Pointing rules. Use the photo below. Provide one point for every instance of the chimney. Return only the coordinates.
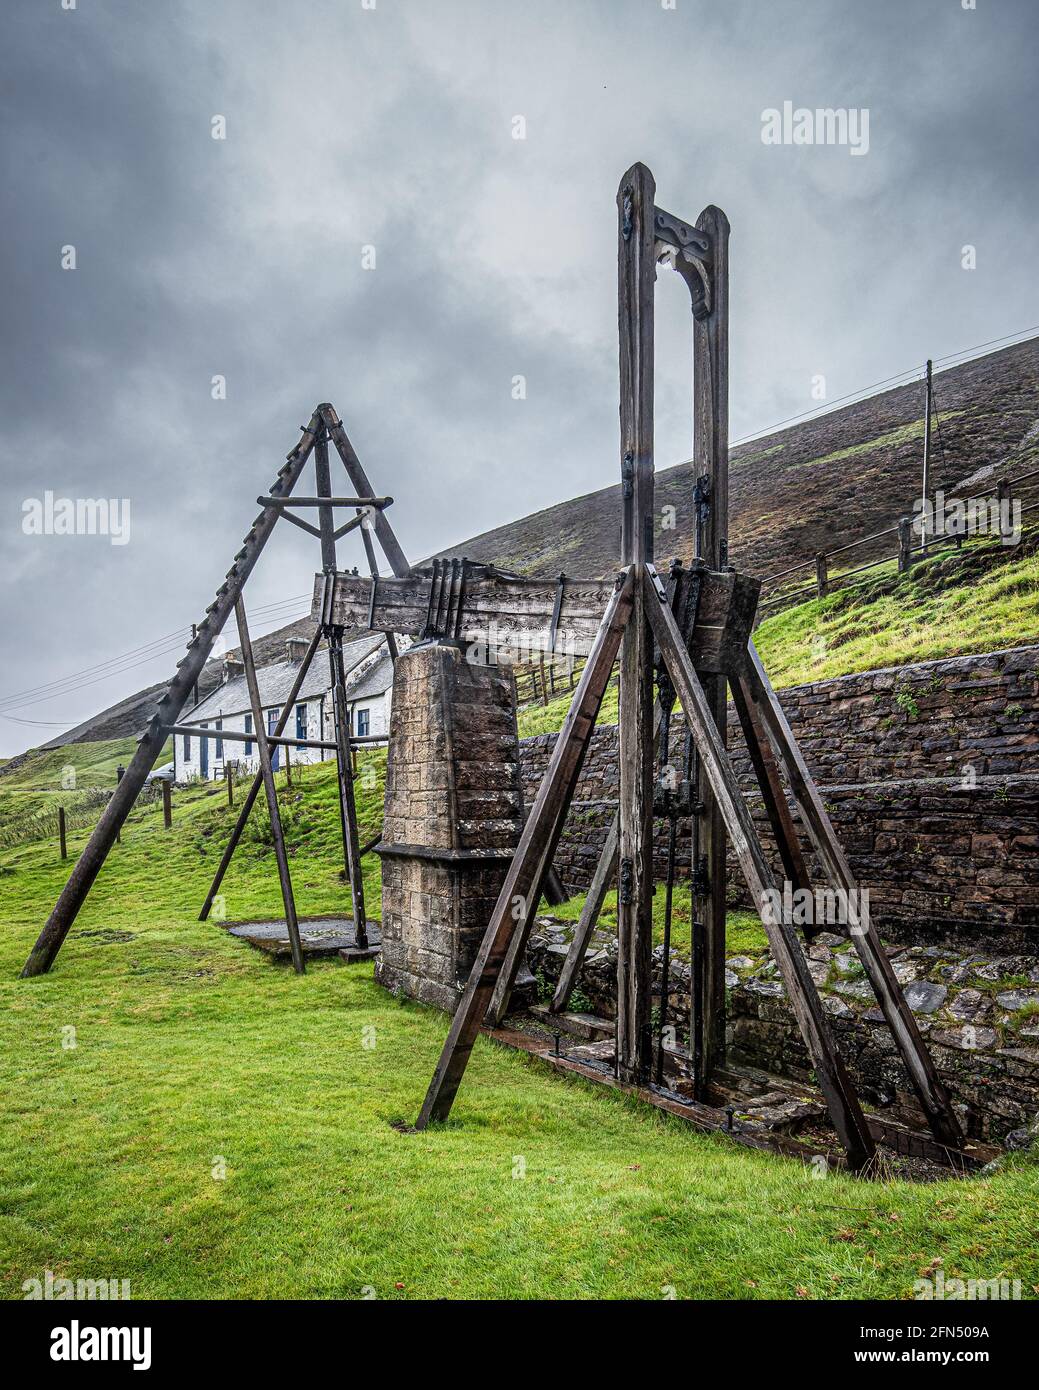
(296, 648)
(233, 668)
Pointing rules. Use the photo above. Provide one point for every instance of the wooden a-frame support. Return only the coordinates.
(324, 425)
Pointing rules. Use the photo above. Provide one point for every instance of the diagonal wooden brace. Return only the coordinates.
(934, 1098)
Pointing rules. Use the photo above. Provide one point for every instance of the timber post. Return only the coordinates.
(62, 845)
(636, 278)
(711, 454)
(167, 805)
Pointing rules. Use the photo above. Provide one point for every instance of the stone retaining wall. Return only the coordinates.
(930, 773)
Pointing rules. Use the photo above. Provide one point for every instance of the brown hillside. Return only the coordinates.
(811, 486)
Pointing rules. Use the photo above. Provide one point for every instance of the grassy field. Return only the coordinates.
(32, 791)
(183, 1113)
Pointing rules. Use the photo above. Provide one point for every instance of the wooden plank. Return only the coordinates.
(711, 455)
(636, 274)
(834, 1081)
(383, 530)
(932, 1093)
(88, 865)
(267, 772)
(605, 874)
(555, 792)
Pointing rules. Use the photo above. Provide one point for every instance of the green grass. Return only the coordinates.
(903, 434)
(744, 933)
(196, 1054)
(53, 777)
(947, 606)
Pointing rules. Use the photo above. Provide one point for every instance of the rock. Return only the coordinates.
(741, 963)
(906, 971)
(924, 997)
(970, 1006)
(847, 964)
(770, 988)
(854, 989)
(835, 1007)
(1014, 999)
(968, 1038)
(731, 979)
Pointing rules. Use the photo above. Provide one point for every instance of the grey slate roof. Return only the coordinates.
(275, 682)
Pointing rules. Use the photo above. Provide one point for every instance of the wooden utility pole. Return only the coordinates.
(925, 498)
(636, 278)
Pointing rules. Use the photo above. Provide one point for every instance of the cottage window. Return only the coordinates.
(301, 721)
(220, 741)
(187, 747)
(362, 722)
(248, 746)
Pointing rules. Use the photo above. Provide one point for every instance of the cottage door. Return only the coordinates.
(272, 725)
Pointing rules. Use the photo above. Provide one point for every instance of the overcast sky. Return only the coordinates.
(391, 125)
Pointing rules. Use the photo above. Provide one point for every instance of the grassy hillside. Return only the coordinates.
(179, 1111)
(33, 786)
(814, 485)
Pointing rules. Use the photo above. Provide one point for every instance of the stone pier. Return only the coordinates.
(453, 816)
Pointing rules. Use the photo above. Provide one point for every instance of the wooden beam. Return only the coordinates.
(504, 611)
(345, 777)
(833, 1078)
(267, 772)
(383, 530)
(711, 455)
(636, 274)
(88, 865)
(553, 797)
(763, 761)
(605, 874)
(932, 1093)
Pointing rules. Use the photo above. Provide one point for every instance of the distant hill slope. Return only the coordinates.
(803, 489)
(800, 490)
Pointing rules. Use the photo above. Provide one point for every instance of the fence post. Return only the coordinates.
(820, 573)
(120, 772)
(288, 766)
(544, 683)
(167, 805)
(229, 774)
(61, 832)
(905, 545)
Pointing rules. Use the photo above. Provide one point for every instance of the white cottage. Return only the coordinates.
(369, 687)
